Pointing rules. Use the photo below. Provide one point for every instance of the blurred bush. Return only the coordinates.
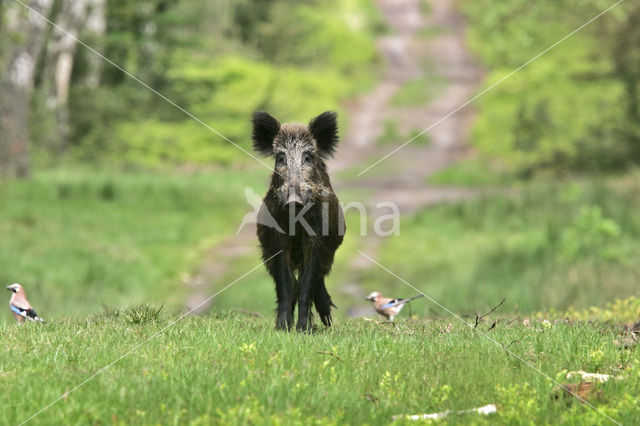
(592, 235)
(573, 109)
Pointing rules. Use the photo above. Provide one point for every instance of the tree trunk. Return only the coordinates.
(61, 50)
(95, 28)
(24, 36)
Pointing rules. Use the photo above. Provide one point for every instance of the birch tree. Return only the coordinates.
(23, 34)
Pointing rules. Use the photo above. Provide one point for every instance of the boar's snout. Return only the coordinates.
(293, 198)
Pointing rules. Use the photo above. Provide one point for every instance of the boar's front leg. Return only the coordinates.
(285, 292)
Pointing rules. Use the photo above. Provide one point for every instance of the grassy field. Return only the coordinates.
(92, 245)
(235, 369)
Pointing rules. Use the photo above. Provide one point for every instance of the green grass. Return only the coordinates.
(234, 369)
(80, 239)
(473, 171)
(553, 249)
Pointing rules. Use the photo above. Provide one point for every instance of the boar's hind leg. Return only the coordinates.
(306, 281)
(322, 301)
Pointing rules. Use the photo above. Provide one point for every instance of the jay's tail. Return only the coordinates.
(401, 301)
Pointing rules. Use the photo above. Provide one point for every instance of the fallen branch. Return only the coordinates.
(593, 376)
(487, 409)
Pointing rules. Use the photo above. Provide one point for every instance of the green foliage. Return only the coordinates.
(133, 39)
(335, 33)
(569, 109)
(223, 94)
(219, 62)
(473, 171)
(592, 235)
(620, 310)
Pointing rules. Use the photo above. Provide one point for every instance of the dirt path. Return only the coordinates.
(409, 55)
(215, 266)
(415, 47)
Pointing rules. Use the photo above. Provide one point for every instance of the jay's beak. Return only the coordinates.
(9, 288)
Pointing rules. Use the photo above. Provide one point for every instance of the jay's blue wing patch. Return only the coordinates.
(26, 313)
(392, 303)
(16, 310)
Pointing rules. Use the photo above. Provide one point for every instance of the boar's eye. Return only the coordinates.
(280, 160)
(306, 159)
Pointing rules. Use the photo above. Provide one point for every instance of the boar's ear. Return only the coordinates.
(324, 129)
(265, 130)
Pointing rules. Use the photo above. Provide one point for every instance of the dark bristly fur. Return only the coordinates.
(265, 130)
(325, 132)
(306, 258)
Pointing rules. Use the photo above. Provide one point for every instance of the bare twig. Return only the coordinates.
(480, 318)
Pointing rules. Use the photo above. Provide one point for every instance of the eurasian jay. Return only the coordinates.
(388, 307)
(20, 306)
